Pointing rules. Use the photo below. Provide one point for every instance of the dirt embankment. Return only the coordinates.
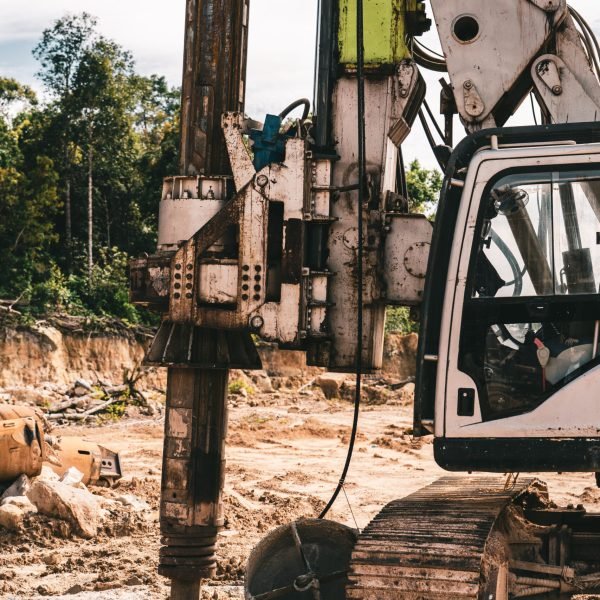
(31, 356)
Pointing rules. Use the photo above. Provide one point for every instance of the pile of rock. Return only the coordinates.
(65, 498)
(373, 391)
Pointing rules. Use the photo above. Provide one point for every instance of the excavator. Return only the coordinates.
(297, 230)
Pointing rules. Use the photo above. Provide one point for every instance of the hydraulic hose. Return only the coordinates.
(288, 109)
(362, 171)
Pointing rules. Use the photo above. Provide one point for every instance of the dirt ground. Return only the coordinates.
(285, 454)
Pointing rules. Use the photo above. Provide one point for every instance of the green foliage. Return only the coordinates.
(107, 293)
(11, 91)
(398, 319)
(237, 385)
(424, 187)
(100, 109)
(52, 294)
(115, 411)
(61, 50)
(26, 231)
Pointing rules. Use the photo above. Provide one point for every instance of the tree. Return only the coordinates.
(26, 228)
(60, 53)
(424, 187)
(61, 50)
(102, 142)
(11, 92)
(103, 99)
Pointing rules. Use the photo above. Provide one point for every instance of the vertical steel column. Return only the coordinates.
(191, 510)
(214, 78)
(325, 70)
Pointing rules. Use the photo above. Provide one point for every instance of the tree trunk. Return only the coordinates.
(108, 224)
(68, 222)
(90, 212)
(68, 226)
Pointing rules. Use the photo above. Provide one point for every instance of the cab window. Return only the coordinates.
(532, 311)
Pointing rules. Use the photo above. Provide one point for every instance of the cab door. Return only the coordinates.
(521, 318)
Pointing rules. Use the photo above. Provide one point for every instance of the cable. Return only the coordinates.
(589, 41)
(437, 127)
(362, 175)
(430, 139)
(533, 108)
(425, 59)
(288, 109)
(401, 183)
(433, 52)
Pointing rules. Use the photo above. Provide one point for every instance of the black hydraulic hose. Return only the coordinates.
(401, 184)
(435, 123)
(590, 40)
(362, 171)
(533, 108)
(429, 136)
(288, 109)
(426, 59)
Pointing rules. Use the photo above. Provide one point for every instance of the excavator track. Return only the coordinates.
(439, 543)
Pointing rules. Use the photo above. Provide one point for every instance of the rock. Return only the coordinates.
(11, 517)
(331, 384)
(262, 382)
(82, 387)
(370, 394)
(47, 474)
(133, 581)
(44, 590)
(21, 502)
(133, 502)
(30, 396)
(406, 395)
(285, 363)
(77, 506)
(400, 355)
(76, 589)
(103, 586)
(19, 488)
(72, 476)
(52, 559)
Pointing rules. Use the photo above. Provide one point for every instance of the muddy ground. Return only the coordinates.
(286, 451)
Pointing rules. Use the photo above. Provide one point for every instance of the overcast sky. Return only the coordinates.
(281, 56)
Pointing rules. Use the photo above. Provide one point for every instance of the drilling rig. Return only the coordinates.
(298, 231)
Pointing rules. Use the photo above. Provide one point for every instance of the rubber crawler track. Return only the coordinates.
(431, 544)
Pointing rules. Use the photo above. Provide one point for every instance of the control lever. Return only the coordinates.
(543, 356)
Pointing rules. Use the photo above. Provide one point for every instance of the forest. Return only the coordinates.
(81, 169)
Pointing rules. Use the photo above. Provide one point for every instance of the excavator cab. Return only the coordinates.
(510, 339)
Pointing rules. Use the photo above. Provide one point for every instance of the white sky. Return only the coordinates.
(281, 56)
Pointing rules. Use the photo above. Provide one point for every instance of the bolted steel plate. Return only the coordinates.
(415, 259)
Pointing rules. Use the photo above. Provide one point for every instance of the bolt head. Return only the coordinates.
(557, 90)
(468, 84)
(256, 322)
(262, 181)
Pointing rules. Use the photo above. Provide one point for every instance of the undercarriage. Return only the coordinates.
(477, 538)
